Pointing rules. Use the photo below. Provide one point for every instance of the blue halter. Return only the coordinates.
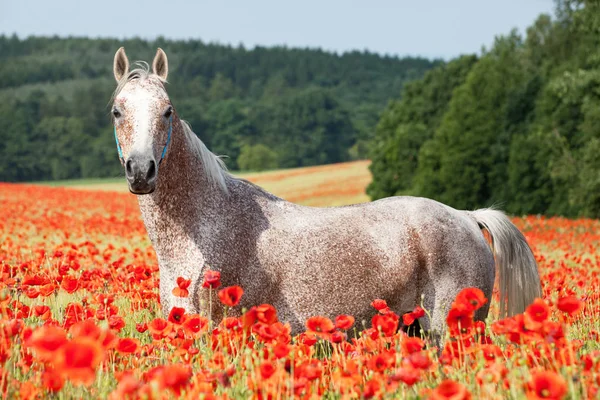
(162, 156)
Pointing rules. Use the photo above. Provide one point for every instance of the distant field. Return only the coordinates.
(324, 185)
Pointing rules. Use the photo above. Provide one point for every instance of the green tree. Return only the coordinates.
(257, 157)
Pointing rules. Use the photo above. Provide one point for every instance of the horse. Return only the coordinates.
(305, 261)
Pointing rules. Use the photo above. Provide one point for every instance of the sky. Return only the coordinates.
(429, 28)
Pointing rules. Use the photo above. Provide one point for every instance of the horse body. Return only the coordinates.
(305, 261)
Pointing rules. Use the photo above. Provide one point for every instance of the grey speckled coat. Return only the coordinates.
(305, 261)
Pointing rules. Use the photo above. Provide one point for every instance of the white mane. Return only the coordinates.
(213, 165)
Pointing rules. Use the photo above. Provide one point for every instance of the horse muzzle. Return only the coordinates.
(141, 173)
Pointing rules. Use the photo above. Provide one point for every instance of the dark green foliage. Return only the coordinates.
(308, 106)
(520, 128)
(257, 158)
(407, 124)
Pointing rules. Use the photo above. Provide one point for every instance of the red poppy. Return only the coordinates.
(450, 389)
(412, 345)
(408, 375)
(382, 361)
(570, 305)
(266, 314)
(47, 290)
(535, 314)
(79, 358)
(194, 323)
(320, 324)
(281, 350)
(459, 320)
(141, 327)
(212, 279)
(344, 322)
(266, 370)
(409, 318)
(47, 340)
(182, 287)
(43, 312)
(546, 385)
(231, 295)
(470, 298)
(52, 380)
(160, 328)
(386, 324)
(128, 345)
(380, 305)
(70, 284)
(176, 315)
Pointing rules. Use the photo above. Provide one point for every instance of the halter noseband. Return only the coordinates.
(162, 156)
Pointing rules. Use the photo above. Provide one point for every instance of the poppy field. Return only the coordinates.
(81, 318)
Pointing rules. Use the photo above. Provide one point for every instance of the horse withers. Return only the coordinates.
(305, 261)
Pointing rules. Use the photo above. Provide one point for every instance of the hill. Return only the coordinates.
(291, 107)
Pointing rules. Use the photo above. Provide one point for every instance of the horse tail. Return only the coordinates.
(519, 278)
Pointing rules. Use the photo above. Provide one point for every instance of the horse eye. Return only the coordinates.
(116, 113)
(168, 112)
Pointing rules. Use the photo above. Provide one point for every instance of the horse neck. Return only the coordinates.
(183, 191)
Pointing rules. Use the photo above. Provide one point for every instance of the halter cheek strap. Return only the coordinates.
(164, 152)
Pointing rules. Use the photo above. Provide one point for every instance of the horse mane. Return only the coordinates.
(213, 165)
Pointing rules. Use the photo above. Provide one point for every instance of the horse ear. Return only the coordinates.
(160, 65)
(120, 64)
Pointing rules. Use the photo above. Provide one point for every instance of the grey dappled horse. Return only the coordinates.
(305, 261)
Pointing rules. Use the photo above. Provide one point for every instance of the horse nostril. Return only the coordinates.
(129, 167)
(151, 171)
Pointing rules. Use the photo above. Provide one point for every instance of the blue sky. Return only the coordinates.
(430, 28)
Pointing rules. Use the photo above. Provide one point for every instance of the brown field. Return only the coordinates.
(320, 186)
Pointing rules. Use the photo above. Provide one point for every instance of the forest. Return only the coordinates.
(263, 108)
(517, 126)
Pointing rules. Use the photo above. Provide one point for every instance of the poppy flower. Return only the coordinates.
(409, 318)
(320, 324)
(42, 311)
(386, 324)
(160, 328)
(182, 287)
(450, 389)
(231, 295)
(47, 290)
(344, 322)
(79, 358)
(266, 370)
(47, 340)
(380, 305)
(408, 375)
(412, 344)
(471, 299)
(70, 284)
(176, 315)
(266, 314)
(212, 279)
(459, 320)
(570, 305)
(128, 345)
(546, 385)
(52, 380)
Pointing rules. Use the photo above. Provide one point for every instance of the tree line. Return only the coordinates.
(517, 126)
(262, 107)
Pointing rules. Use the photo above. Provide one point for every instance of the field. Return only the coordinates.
(321, 186)
(80, 315)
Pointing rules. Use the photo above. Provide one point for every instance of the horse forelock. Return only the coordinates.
(141, 72)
